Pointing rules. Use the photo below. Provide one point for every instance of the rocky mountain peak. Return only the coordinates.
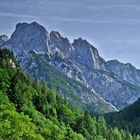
(126, 71)
(87, 54)
(3, 39)
(29, 37)
(32, 24)
(81, 40)
(129, 65)
(115, 64)
(62, 43)
(55, 35)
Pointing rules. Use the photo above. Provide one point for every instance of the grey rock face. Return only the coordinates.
(36, 49)
(113, 89)
(63, 44)
(3, 39)
(29, 37)
(126, 71)
(87, 55)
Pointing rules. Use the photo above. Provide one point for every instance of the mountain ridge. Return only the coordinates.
(127, 71)
(79, 61)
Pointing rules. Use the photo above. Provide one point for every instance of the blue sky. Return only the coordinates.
(113, 26)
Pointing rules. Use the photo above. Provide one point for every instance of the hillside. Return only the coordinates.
(128, 118)
(29, 110)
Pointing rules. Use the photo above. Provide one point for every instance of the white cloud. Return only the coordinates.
(114, 6)
(101, 21)
(5, 14)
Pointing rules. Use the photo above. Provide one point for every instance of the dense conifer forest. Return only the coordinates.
(128, 118)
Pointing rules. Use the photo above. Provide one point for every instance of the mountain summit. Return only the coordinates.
(87, 55)
(29, 37)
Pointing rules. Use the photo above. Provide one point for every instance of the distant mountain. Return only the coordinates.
(64, 65)
(126, 71)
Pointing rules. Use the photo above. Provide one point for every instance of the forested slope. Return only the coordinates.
(128, 118)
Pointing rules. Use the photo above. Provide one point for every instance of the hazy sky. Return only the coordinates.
(113, 26)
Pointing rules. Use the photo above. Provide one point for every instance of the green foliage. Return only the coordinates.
(128, 118)
(31, 111)
(14, 125)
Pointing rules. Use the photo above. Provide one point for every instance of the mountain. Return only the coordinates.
(50, 56)
(38, 57)
(31, 111)
(126, 71)
(3, 39)
(128, 118)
